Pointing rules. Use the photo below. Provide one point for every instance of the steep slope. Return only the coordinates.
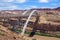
(6, 34)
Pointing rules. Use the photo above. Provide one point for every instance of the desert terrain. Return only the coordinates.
(12, 22)
(6, 34)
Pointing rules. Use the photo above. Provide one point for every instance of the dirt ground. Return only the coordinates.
(9, 35)
(41, 38)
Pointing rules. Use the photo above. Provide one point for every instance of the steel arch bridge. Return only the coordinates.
(29, 16)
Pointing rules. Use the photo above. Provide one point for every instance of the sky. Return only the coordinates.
(28, 4)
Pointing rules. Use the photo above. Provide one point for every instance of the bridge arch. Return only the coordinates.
(36, 21)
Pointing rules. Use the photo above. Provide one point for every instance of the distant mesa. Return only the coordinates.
(58, 8)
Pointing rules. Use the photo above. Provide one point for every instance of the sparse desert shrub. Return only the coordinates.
(2, 32)
(33, 39)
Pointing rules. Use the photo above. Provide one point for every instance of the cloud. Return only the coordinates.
(43, 1)
(17, 1)
(34, 6)
(8, 6)
(30, 6)
(11, 6)
(19, 4)
(21, 1)
(6, 0)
